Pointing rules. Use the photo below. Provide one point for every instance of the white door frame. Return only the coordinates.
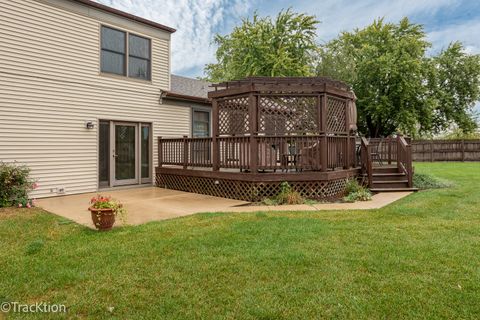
(113, 181)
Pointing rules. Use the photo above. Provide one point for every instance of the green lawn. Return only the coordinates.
(417, 258)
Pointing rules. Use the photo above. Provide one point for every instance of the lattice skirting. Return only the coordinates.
(249, 190)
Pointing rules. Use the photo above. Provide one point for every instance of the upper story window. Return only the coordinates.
(125, 54)
(113, 51)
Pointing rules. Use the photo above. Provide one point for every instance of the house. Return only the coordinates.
(85, 92)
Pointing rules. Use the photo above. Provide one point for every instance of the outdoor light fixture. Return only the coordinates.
(89, 125)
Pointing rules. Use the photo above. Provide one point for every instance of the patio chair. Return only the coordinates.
(267, 156)
(376, 156)
(310, 157)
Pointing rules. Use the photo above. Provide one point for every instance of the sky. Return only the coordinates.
(197, 21)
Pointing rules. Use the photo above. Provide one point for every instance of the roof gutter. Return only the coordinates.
(183, 97)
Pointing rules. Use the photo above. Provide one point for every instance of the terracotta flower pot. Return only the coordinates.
(103, 219)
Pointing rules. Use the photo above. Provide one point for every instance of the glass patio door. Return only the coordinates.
(125, 154)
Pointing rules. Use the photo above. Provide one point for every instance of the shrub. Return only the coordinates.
(424, 181)
(15, 183)
(362, 195)
(288, 196)
(352, 186)
(356, 192)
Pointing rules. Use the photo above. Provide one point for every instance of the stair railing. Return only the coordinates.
(367, 164)
(404, 159)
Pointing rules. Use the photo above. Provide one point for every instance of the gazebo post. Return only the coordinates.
(323, 129)
(347, 143)
(253, 129)
(215, 151)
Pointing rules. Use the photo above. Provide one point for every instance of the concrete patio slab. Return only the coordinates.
(153, 204)
(142, 204)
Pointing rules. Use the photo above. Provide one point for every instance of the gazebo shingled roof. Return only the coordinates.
(281, 84)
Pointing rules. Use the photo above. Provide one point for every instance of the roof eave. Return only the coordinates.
(126, 15)
(183, 97)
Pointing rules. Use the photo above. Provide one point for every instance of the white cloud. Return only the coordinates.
(346, 15)
(467, 32)
(196, 23)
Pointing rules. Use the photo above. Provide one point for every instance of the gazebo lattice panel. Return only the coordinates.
(233, 117)
(287, 114)
(336, 115)
(250, 190)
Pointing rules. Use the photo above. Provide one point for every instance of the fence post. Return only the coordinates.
(463, 150)
(185, 152)
(431, 150)
(160, 151)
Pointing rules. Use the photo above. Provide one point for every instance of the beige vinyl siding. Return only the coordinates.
(50, 85)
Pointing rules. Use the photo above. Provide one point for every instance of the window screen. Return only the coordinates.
(201, 124)
(113, 51)
(138, 57)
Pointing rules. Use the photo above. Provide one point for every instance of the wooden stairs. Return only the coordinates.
(387, 164)
(389, 179)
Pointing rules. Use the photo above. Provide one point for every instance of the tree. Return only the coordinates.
(398, 87)
(455, 83)
(263, 47)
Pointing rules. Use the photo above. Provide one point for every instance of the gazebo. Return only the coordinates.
(266, 131)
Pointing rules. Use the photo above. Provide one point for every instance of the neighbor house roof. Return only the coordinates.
(188, 89)
(189, 86)
(125, 15)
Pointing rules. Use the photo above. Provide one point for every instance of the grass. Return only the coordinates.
(417, 258)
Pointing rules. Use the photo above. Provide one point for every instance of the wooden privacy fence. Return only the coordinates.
(446, 150)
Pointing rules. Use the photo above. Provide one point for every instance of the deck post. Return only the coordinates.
(253, 129)
(160, 152)
(323, 138)
(389, 149)
(185, 152)
(215, 149)
(409, 165)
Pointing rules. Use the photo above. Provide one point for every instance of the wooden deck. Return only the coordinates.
(269, 130)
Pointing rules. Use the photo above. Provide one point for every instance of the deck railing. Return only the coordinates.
(366, 160)
(382, 151)
(404, 159)
(185, 152)
(234, 152)
(265, 152)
